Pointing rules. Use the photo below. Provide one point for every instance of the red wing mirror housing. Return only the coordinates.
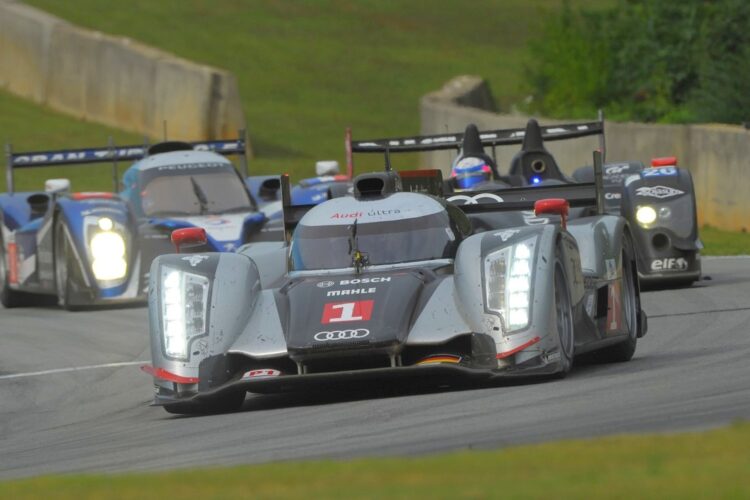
(189, 237)
(557, 206)
(666, 161)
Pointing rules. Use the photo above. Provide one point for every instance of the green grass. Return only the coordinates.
(307, 69)
(712, 464)
(718, 242)
(30, 127)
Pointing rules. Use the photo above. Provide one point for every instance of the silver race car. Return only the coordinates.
(397, 281)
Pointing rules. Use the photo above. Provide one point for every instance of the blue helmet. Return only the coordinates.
(470, 171)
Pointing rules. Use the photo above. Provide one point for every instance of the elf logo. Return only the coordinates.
(669, 264)
(343, 312)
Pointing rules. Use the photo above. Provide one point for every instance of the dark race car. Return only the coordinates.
(659, 202)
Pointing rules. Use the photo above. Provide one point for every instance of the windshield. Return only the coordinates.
(406, 240)
(195, 192)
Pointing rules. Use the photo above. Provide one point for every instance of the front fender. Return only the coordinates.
(234, 289)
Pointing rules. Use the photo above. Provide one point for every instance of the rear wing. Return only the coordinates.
(500, 137)
(110, 154)
(510, 199)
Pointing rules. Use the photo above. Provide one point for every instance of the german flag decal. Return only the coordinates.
(440, 358)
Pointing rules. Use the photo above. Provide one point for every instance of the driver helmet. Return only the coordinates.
(470, 171)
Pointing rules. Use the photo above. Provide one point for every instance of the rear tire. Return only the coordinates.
(222, 404)
(564, 320)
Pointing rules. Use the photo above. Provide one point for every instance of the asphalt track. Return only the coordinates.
(73, 399)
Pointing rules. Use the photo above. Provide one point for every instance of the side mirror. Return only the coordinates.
(557, 206)
(326, 167)
(189, 237)
(57, 186)
(269, 189)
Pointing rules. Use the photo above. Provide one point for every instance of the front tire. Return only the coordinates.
(564, 320)
(63, 255)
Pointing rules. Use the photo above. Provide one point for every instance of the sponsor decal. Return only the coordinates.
(360, 214)
(261, 373)
(658, 191)
(669, 264)
(658, 172)
(507, 234)
(354, 291)
(616, 169)
(191, 166)
(611, 269)
(194, 260)
(473, 200)
(344, 312)
(590, 305)
(325, 284)
(350, 215)
(215, 221)
(614, 307)
(612, 196)
(230, 247)
(440, 358)
(359, 333)
(78, 155)
(530, 218)
(12, 263)
(364, 281)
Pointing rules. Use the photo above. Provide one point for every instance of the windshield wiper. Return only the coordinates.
(200, 195)
(359, 259)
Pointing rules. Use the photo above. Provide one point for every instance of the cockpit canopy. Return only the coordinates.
(401, 227)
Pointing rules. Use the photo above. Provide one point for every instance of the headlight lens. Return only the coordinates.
(645, 215)
(184, 300)
(508, 275)
(108, 254)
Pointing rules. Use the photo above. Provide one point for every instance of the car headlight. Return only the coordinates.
(184, 303)
(645, 215)
(107, 249)
(508, 274)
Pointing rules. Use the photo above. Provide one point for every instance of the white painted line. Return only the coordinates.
(717, 257)
(72, 369)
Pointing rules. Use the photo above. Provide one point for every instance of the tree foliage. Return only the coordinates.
(646, 60)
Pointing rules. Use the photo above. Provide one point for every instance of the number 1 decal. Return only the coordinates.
(342, 312)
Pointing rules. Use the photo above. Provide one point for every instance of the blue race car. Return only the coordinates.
(328, 183)
(92, 248)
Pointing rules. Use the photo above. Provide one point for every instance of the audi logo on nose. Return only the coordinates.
(359, 333)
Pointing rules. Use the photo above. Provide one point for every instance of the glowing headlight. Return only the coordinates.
(184, 302)
(105, 224)
(645, 215)
(108, 254)
(508, 283)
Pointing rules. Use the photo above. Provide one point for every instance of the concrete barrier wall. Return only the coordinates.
(113, 80)
(718, 156)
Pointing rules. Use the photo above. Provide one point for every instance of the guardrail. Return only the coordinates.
(113, 80)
